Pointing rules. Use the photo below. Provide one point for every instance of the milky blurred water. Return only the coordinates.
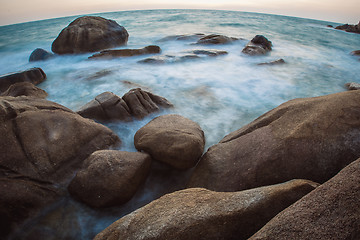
(222, 94)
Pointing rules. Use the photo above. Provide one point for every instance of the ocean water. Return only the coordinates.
(222, 94)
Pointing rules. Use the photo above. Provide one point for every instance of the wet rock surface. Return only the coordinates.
(40, 54)
(331, 211)
(182, 37)
(276, 62)
(349, 28)
(352, 86)
(202, 214)
(32, 75)
(259, 45)
(172, 139)
(89, 34)
(310, 138)
(24, 89)
(110, 178)
(216, 39)
(108, 54)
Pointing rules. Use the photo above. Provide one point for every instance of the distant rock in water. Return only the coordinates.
(136, 103)
(89, 34)
(40, 54)
(152, 49)
(352, 86)
(355, 53)
(210, 52)
(183, 37)
(32, 75)
(216, 39)
(24, 89)
(276, 62)
(330, 26)
(349, 28)
(259, 45)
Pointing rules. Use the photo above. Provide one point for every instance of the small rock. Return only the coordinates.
(216, 39)
(24, 89)
(349, 28)
(183, 37)
(32, 75)
(172, 139)
(276, 62)
(259, 45)
(352, 86)
(355, 53)
(210, 52)
(40, 54)
(108, 54)
(110, 178)
(330, 26)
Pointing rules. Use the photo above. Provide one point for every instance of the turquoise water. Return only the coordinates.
(221, 94)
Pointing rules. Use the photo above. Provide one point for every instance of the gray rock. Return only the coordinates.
(40, 54)
(24, 89)
(259, 45)
(32, 75)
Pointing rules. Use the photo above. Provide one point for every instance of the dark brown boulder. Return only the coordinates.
(202, 214)
(110, 178)
(24, 89)
(172, 139)
(40, 54)
(310, 138)
(331, 211)
(355, 53)
(42, 145)
(350, 28)
(108, 54)
(216, 39)
(259, 45)
(89, 34)
(32, 75)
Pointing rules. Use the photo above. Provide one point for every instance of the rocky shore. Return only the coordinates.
(292, 173)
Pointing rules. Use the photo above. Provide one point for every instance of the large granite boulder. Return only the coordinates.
(259, 45)
(136, 103)
(89, 34)
(24, 89)
(108, 54)
(32, 75)
(40, 54)
(310, 138)
(110, 178)
(331, 211)
(350, 28)
(172, 139)
(42, 145)
(216, 39)
(202, 214)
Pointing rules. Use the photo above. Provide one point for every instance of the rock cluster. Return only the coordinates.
(350, 28)
(259, 45)
(135, 103)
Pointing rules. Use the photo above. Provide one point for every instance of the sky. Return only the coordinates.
(341, 11)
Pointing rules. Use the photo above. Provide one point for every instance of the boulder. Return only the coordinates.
(309, 138)
(110, 178)
(108, 54)
(216, 39)
(32, 75)
(24, 89)
(40, 54)
(89, 34)
(331, 211)
(202, 214)
(350, 28)
(136, 103)
(276, 62)
(352, 86)
(42, 145)
(259, 45)
(172, 139)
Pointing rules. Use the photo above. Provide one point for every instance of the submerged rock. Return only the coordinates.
(310, 138)
(259, 45)
(32, 75)
(110, 178)
(42, 145)
(352, 86)
(40, 54)
(202, 214)
(209, 52)
(152, 49)
(331, 211)
(350, 28)
(172, 139)
(136, 103)
(355, 53)
(89, 34)
(182, 37)
(24, 89)
(276, 62)
(216, 39)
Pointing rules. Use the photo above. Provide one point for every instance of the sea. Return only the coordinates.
(221, 94)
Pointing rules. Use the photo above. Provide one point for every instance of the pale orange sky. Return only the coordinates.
(15, 11)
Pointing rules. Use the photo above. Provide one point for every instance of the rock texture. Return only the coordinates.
(331, 211)
(40, 54)
(172, 139)
(310, 138)
(110, 178)
(350, 28)
(259, 45)
(24, 89)
(89, 34)
(32, 75)
(182, 37)
(202, 214)
(216, 39)
(108, 54)
(135, 103)
(352, 86)
(41, 147)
